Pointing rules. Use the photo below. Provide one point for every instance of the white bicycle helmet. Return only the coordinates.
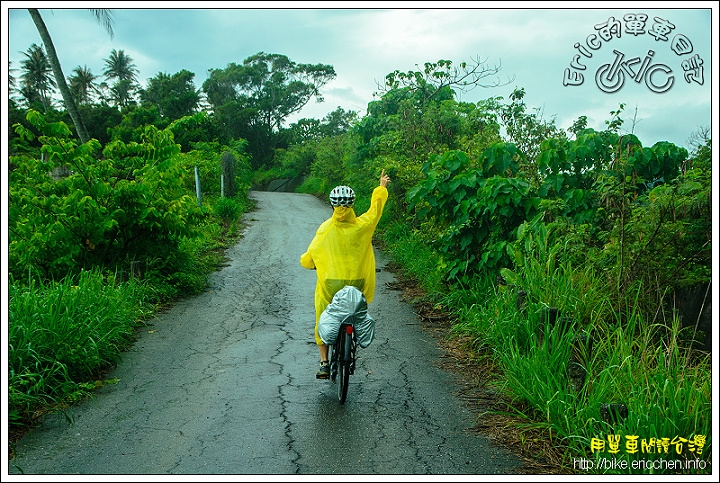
(342, 196)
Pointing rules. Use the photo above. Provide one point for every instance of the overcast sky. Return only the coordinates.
(534, 47)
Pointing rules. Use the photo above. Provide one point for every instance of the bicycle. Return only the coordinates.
(342, 358)
(345, 324)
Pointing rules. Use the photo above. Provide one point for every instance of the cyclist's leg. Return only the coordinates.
(323, 352)
(324, 371)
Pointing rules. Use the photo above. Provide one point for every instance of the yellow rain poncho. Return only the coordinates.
(342, 253)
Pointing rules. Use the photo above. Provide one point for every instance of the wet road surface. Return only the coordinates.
(224, 382)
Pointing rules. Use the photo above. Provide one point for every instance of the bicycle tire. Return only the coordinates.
(344, 359)
(332, 356)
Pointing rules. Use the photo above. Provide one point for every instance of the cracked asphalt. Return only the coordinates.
(224, 382)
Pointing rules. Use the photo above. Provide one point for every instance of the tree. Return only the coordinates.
(82, 85)
(264, 90)
(121, 93)
(100, 119)
(120, 67)
(12, 82)
(37, 81)
(528, 131)
(105, 17)
(338, 122)
(134, 120)
(281, 87)
(699, 138)
(436, 77)
(174, 95)
(333, 124)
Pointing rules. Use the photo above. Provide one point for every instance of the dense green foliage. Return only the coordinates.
(109, 210)
(98, 238)
(488, 202)
(560, 375)
(475, 211)
(174, 95)
(253, 100)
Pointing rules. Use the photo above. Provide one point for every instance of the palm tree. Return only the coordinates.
(82, 84)
(12, 82)
(121, 92)
(37, 82)
(104, 16)
(120, 67)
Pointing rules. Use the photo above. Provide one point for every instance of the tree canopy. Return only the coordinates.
(174, 95)
(265, 90)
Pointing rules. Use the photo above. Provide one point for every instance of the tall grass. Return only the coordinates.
(625, 358)
(60, 334)
(415, 255)
(666, 394)
(560, 376)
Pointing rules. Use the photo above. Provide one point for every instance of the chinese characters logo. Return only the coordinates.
(612, 76)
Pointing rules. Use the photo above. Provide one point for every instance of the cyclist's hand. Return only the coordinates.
(384, 179)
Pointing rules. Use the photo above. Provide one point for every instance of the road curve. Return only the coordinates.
(224, 382)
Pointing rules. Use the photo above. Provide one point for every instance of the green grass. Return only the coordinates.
(63, 335)
(666, 393)
(414, 254)
(644, 364)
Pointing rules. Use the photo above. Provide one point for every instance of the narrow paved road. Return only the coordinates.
(224, 382)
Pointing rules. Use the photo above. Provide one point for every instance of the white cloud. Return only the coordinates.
(364, 44)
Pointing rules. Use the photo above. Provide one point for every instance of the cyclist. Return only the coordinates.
(342, 253)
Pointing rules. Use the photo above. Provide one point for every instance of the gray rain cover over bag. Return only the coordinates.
(348, 305)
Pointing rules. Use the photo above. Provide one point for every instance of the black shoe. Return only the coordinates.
(324, 371)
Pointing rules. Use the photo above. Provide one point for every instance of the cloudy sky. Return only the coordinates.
(364, 41)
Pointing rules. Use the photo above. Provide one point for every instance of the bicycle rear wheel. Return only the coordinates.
(344, 360)
(332, 357)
